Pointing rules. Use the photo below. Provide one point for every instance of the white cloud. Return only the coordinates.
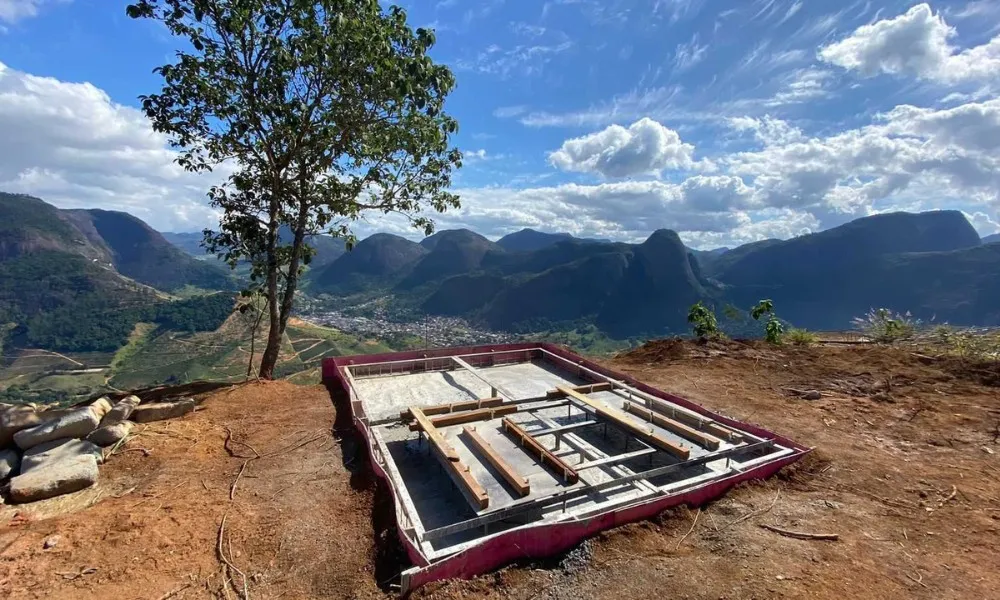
(768, 130)
(951, 153)
(645, 147)
(505, 112)
(521, 60)
(12, 11)
(69, 144)
(689, 54)
(916, 44)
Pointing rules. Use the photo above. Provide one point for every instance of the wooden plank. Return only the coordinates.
(621, 420)
(703, 423)
(516, 481)
(543, 454)
(459, 470)
(693, 435)
(435, 437)
(439, 409)
(590, 388)
(468, 416)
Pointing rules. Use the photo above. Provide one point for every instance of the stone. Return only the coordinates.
(812, 395)
(46, 454)
(101, 407)
(159, 411)
(55, 479)
(10, 462)
(120, 411)
(77, 424)
(52, 541)
(14, 419)
(108, 435)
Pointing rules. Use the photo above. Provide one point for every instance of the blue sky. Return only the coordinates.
(726, 121)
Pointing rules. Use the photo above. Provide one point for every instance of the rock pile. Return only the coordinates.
(46, 453)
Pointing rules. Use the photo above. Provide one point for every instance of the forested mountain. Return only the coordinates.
(80, 279)
(529, 240)
(932, 264)
(56, 265)
(992, 239)
(328, 249)
(376, 261)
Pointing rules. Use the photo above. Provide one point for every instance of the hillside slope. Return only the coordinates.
(376, 261)
(931, 264)
(141, 253)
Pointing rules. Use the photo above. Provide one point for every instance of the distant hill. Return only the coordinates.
(529, 240)
(452, 252)
(79, 280)
(992, 239)
(328, 249)
(141, 253)
(376, 261)
(896, 260)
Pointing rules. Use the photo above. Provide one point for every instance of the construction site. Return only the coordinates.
(518, 472)
(497, 453)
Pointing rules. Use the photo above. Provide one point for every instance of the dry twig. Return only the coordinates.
(801, 535)
(752, 513)
(232, 489)
(681, 541)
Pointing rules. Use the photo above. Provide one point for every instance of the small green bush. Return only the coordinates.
(800, 337)
(703, 321)
(773, 329)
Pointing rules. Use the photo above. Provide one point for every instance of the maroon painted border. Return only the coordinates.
(538, 541)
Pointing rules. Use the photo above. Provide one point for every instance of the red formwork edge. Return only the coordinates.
(541, 540)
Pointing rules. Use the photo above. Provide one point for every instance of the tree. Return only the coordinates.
(773, 329)
(703, 321)
(319, 110)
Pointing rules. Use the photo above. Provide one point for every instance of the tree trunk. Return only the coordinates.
(269, 359)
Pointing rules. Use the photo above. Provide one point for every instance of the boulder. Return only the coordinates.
(14, 419)
(56, 478)
(159, 411)
(10, 462)
(77, 424)
(120, 411)
(47, 454)
(107, 435)
(101, 407)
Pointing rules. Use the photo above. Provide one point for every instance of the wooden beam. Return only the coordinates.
(621, 420)
(693, 435)
(459, 471)
(435, 437)
(590, 388)
(468, 416)
(516, 481)
(494, 388)
(439, 409)
(543, 454)
(703, 423)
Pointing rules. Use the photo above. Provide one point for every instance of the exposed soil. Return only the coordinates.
(906, 472)
(297, 526)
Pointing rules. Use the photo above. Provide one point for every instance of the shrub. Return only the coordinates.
(703, 321)
(883, 326)
(800, 337)
(773, 329)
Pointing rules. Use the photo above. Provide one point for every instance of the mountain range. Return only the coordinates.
(931, 264)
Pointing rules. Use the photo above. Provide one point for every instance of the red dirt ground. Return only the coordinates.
(906, 472)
